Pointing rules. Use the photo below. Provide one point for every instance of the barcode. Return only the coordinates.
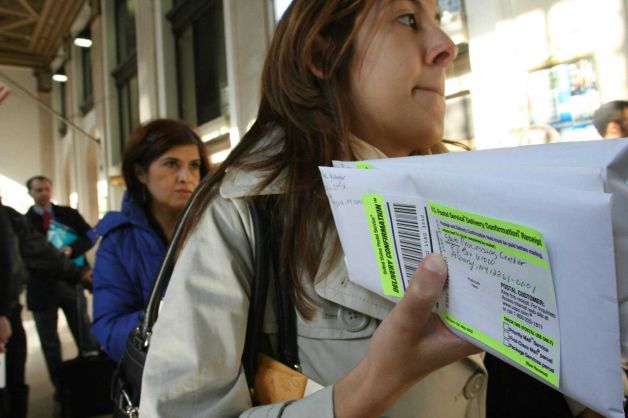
(409, 236)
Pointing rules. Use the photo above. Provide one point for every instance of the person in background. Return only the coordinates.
(162, 165)
(611, 119)
(539, 134)
(6, 314)
(24, 252)
(44, 296)
(343, 80)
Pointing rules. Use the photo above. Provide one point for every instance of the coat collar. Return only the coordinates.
(240, 183)
(40, 211)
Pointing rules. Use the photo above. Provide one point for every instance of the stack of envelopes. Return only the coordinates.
(536, 240)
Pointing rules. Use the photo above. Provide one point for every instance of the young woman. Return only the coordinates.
(162, 165)
(343, 79)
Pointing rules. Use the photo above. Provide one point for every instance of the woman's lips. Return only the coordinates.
(435, 90)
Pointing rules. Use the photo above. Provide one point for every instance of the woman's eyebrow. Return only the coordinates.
(438, 15)
(416, 2)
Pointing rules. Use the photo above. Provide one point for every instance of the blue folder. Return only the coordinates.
(61, 236)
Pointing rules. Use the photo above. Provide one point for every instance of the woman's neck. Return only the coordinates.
(166, 219)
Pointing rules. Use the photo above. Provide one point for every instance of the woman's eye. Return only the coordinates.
(409, 20)
(170, 164)
(196, 165)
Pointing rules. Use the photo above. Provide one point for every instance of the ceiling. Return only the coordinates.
(31, 31)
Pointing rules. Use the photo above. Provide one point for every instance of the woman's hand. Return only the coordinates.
(5, 332)
(588, 413)
(67, 251)
(408, 345)
(87, 279)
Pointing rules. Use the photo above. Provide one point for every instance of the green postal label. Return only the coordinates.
(539, 356)
(500, 270)
(383, 244)
(500, 290)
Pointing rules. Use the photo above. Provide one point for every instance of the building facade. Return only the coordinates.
(523, 66)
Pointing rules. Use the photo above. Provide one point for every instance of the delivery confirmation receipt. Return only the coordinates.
(500, 289)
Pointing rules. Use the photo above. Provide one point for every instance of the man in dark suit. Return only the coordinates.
(44, 296)
(23, 251)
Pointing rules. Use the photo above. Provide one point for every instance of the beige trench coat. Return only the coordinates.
(193, 366)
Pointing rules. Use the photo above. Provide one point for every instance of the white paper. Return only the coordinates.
(592, 165)
(3, 372)
(575, 223)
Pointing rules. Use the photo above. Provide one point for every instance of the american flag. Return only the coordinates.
(4, 92)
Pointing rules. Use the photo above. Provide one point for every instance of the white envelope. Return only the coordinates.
(575, 220)
(2, 371)
(580, 165)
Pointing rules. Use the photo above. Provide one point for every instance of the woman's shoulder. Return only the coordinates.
(242, 181)
(224, 209)
(129, 244)
(112, 221)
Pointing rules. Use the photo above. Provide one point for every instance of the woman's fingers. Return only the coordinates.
(426, 286)
(421, 340)
(5, 332)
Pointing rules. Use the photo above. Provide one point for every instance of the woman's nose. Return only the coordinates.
(442, 51)
(184, 174)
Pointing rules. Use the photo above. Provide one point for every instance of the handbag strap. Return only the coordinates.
(144, 330)
(266, 255)
(259, 295)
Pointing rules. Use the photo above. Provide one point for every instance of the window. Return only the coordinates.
(279, 7)
(85, 56)
(125, 74)
(459, 114)
(198, 27)
(62, 127)
(453, 19)
(564, 95)
(125, 29)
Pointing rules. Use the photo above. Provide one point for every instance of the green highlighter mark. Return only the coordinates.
(382, 238)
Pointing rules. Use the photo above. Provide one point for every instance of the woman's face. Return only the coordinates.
(172, 177)
(397, 77)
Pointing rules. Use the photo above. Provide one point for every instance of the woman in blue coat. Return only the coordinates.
(162, 165)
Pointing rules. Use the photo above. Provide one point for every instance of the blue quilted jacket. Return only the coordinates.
(126, 266)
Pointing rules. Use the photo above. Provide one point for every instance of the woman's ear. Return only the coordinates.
(140, 173)
(316, 61)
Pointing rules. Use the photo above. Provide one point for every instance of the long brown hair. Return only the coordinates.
(312, 114)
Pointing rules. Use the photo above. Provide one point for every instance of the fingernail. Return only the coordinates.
(435, 263)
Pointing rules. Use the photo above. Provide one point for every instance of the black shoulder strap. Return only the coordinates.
(266, 267)
(259, 294)
(163, 277)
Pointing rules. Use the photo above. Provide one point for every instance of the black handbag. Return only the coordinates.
(512, 393)
(77, 399)
(126, 384)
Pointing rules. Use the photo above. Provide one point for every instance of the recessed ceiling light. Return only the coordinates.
(83, 42)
